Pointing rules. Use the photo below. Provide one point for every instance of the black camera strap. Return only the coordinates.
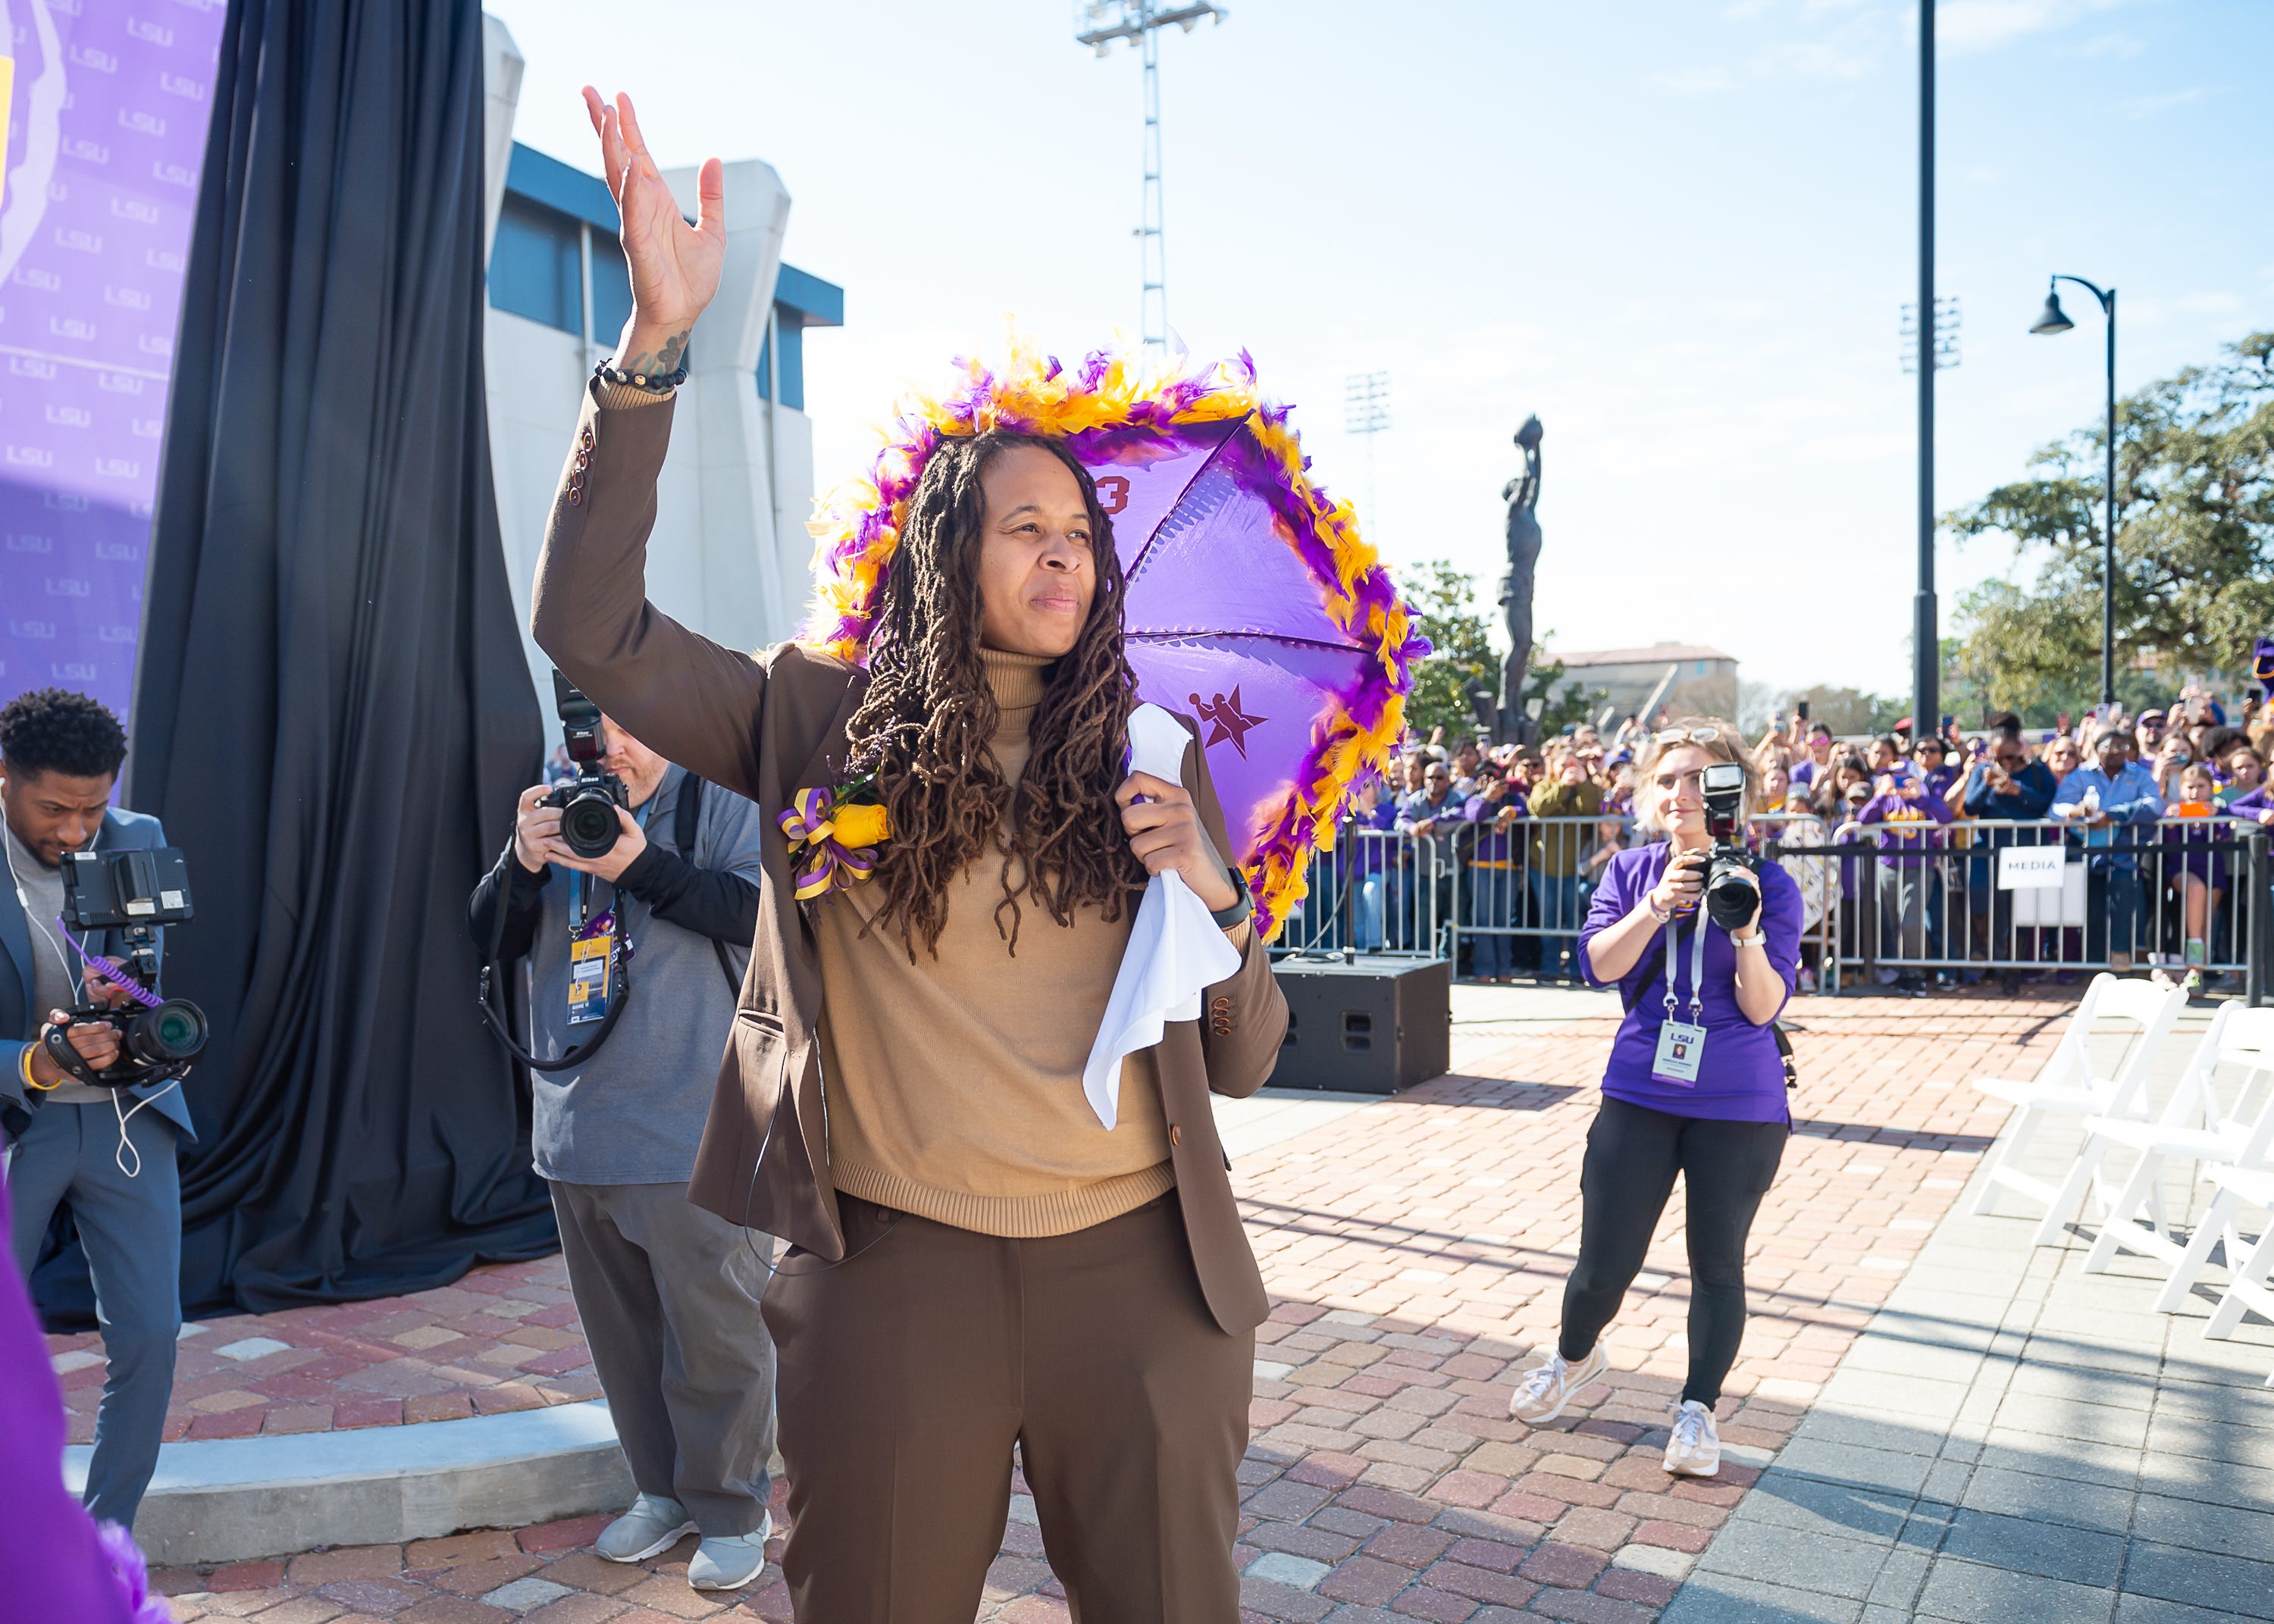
(1784, 1054)
(683, 818)
(582, 1052)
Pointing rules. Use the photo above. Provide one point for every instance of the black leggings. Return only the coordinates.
(1632, 1156)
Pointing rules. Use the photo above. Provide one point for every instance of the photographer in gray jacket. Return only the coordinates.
(637, 945)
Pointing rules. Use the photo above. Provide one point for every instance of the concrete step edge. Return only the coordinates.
(230, 1499)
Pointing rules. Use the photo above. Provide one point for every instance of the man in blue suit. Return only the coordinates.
(110, 1153)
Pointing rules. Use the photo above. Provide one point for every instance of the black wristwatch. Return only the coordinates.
(1242, 904)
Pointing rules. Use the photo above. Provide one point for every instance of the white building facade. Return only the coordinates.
(1682, 679)
(730, 556)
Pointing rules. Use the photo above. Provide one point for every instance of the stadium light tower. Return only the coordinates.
(1097, 24)
(1366, 411)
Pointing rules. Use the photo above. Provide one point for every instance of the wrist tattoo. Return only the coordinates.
(664, 360)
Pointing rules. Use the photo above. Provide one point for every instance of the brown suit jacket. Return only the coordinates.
(766, 726)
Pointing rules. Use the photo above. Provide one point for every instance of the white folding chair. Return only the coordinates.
(2196, 1126)
(2068, 1085)
(2085, 1176)
(2248, 1177)
(2251, 1281)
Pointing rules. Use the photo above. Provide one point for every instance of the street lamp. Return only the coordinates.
(2052, 320)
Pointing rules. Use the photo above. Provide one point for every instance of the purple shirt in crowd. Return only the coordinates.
(2193, 843)
(1496, 847)
(1741, 1078)
(1806, 771)
(1910, 822)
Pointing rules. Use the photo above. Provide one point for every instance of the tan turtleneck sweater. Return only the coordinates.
(953, 1084)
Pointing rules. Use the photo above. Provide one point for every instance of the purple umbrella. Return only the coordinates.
(1253, 604)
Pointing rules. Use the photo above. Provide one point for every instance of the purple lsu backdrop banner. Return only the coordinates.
(107, 128)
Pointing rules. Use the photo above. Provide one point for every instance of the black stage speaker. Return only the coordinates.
(1372, 1027)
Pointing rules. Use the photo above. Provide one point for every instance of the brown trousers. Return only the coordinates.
(908, 1371)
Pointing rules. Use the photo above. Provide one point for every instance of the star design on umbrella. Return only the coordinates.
(1227, 720)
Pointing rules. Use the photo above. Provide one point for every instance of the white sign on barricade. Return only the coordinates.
(2048, 904)
(2029, 868)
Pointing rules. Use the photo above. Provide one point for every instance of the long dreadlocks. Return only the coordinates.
(925, 724)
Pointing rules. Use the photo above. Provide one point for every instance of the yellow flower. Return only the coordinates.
(857, 826)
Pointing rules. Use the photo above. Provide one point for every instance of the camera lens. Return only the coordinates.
(173, 1032)
(587, 825)
(1729, 900)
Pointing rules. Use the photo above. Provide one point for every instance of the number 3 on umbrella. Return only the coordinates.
(1112, 493)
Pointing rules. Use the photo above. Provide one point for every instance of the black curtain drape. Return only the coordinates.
(332, 713)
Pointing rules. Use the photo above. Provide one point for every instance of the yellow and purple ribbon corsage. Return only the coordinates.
(840, 839)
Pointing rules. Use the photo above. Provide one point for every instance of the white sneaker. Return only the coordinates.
(653, 1524)
(1694, 1449)
(729, 1562)
(1542, 1395)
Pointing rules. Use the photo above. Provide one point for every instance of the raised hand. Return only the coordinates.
(674, 267)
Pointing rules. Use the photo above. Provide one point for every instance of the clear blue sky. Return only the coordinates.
(1679, 230)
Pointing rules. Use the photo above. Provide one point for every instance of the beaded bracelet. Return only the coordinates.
(654, 383)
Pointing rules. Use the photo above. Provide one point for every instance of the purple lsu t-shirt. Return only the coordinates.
(1741, 1078)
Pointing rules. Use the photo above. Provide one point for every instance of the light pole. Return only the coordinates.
(1366, 411)
(2050, 321)
(1097, 24)
(1926, 641)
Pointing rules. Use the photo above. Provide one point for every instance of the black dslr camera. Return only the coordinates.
(1732, 893)
(588, 802)
(133, 893)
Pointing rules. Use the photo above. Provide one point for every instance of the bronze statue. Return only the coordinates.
(1522, 495)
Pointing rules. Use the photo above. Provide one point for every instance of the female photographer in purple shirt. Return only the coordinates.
(1695, 1086)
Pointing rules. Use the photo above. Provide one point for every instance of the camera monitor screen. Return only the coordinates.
(104, 891)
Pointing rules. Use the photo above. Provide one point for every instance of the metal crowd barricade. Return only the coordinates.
(2013, 897)
(1975, 896)
(1797, 841)
(1376, 891)
(1523, 898)
(1522, 888)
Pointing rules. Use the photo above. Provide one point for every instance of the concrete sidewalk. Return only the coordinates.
(2014, 1439)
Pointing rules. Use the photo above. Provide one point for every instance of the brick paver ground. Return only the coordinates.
(1416, 1252)
(504, 1337)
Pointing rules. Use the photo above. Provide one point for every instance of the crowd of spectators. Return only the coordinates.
(1895, 844)
(2147, 804)
(1507, 837)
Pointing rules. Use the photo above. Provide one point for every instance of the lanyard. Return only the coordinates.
(1696, 967)
(577, 876)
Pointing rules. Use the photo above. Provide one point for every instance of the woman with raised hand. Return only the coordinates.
(977, 1264)
(1696, 1085)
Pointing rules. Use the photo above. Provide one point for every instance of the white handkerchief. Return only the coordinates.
(1175, 949)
